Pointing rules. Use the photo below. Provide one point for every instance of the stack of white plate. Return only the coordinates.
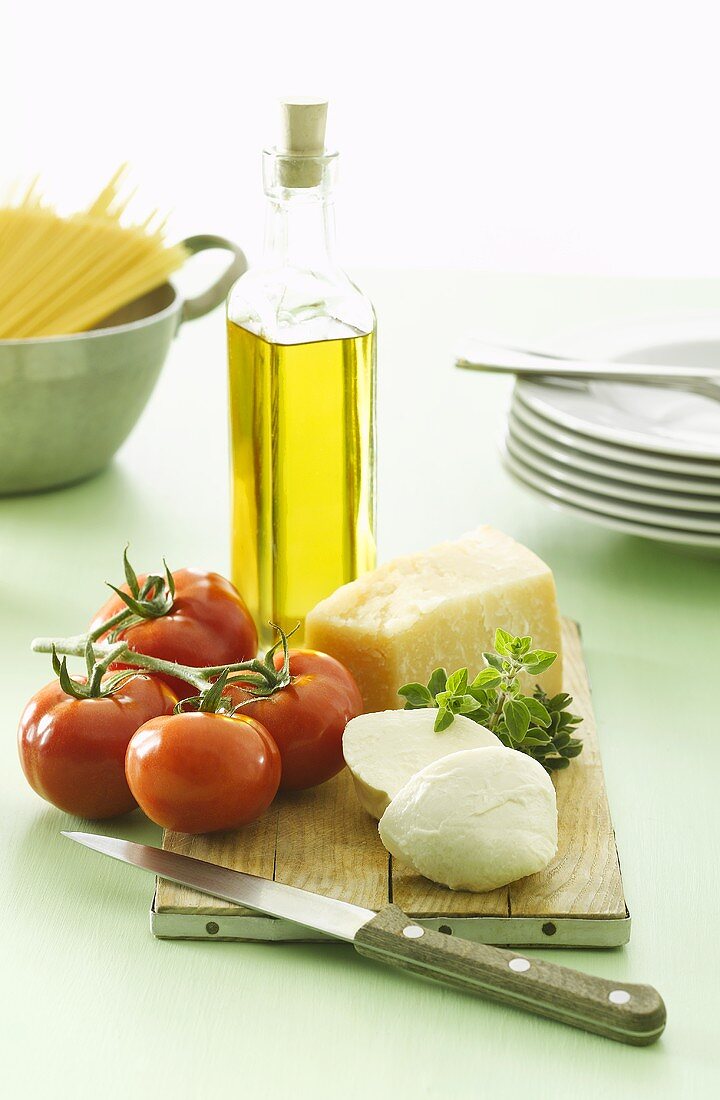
(638, 459)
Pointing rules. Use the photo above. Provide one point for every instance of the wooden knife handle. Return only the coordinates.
(627, 1013)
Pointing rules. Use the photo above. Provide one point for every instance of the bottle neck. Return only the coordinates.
(300, 230)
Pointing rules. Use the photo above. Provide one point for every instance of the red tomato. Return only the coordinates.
(199, 772)
(73, 750)
(208, 625)
(307, 718)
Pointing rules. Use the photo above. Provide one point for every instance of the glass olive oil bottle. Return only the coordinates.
(301, 343)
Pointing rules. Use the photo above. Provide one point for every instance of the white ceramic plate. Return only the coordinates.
(651, 460)
(605, 486)
(639, 417)
(686, 522)
(663, 534)
(618, 471)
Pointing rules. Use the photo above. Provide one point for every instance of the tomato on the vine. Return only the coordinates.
(307, 717)
(208, 624)
(200, 772)
(72, 750)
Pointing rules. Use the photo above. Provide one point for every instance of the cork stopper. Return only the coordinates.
(302, 140)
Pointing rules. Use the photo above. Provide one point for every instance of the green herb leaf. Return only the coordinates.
(538, 712)
(437, 682)
(558, 702)
(458, 682)
(535, 738)
(482, 715)
(417, 696)
(467, 704)
(443, 720)
(555, 763)
(482, 696)
(517, 718)
(504, 642)
(539, 660)
(488, 678)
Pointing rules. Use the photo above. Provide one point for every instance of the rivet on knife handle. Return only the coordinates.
(632, 1014)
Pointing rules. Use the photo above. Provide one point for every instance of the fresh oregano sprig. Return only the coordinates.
(536, 724)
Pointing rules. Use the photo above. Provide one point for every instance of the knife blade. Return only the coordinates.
(336, 918)
(627, 1013)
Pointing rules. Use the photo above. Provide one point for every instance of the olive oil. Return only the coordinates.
(302, 427)
(301, 349)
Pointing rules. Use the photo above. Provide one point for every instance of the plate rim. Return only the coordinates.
(622, 471)
(627, 527)
(619, 436)
(621, 491)
(561, 492)
(606, 449)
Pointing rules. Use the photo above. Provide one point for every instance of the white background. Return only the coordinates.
(501, 135)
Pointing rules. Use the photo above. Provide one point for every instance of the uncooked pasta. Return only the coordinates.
(61, 275)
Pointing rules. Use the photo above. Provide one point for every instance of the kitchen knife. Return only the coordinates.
(617, 1010)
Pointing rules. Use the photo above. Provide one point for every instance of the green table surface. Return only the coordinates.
(93, 1005)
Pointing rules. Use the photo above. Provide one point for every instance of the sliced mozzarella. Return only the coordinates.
(385, 749)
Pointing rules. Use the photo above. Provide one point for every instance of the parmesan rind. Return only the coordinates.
(474, 820)
(439, 608)
(385, 749)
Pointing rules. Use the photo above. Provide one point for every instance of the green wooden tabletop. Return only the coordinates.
(92, 1005)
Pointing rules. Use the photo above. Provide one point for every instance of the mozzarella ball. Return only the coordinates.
(474, 820)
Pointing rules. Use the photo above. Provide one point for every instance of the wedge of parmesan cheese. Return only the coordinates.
(435, 609)
(384, 750)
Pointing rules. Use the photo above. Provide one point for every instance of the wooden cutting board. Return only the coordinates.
(322, 840)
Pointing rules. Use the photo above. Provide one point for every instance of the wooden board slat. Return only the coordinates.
(328, 844)
(251, 849)
(421, 898)
(321, 840)
(584, 878)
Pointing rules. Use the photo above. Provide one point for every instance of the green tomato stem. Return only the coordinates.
(74, 646)
(257, 672)
(110, 624)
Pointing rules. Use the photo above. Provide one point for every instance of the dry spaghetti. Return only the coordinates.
(60, 275)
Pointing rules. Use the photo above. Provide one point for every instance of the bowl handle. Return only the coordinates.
(215, 294)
